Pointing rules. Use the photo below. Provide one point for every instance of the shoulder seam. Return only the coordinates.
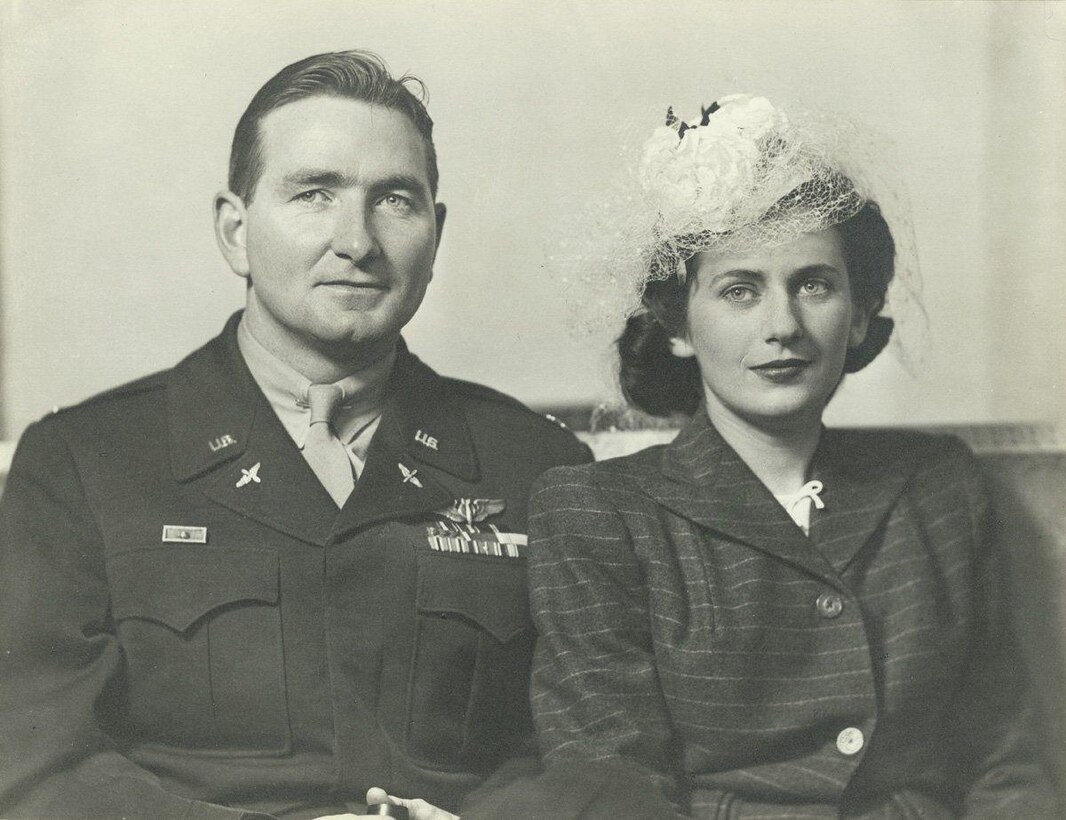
(146, 384)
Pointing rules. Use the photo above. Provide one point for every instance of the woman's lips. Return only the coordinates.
(781, 370)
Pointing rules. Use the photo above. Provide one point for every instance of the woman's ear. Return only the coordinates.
(681, 347)
(231, 231)
(860, 323)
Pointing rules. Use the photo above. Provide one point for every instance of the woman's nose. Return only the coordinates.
(354, 237)
(781, 319)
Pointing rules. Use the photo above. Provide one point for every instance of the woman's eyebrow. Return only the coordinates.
(747, 273)
(818, 267)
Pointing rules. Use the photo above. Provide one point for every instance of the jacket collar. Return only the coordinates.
(222, 426)
(422, 456)
(863, 473)
(704, 480)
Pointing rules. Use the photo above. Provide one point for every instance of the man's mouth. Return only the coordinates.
(354, 284)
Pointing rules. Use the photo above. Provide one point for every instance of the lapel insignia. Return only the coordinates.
(469, 510)
(466, 539)
(221, 442)
(426, 439)
(409, 475)
(179, 534)
(249, 475)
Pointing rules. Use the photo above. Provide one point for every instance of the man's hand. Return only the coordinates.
(418, 809)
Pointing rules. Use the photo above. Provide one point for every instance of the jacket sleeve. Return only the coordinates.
(995, 721)
(595, 691)
(61, 662)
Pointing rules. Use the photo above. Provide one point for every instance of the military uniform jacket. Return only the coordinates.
(192, 629)
(687, 625)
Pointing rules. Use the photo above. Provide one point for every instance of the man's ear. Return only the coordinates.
(682, 347)
(231, 230)
(441, 211)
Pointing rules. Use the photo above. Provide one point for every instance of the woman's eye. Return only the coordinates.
(815, 287)
(739, 293)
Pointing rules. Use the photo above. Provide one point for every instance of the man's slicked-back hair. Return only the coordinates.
(356, 75)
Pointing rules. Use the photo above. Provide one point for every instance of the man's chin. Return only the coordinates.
(355, 339)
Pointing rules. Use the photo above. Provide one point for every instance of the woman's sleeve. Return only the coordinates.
(596, 693)
(61, 664)
(995, 720)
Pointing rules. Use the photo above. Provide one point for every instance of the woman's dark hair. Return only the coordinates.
(656, 381)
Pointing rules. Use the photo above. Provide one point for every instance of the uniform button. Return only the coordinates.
(850, 741)
(829, 604)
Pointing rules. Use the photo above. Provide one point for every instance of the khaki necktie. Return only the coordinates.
(323, 450)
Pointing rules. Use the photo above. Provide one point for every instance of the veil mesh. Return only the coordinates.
(746, 177)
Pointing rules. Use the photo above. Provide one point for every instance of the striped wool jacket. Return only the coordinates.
(687, 625)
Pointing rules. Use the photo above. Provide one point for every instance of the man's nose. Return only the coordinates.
(781, 318)
(354, 235)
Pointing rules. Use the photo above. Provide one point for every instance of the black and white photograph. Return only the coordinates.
(506, 410)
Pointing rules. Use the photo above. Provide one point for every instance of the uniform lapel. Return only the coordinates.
(227, 441)
(420, 453)
(862, 477)
(705, 481)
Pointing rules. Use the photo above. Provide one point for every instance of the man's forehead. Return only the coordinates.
(340, 134)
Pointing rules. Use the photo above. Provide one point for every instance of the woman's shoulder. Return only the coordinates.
(611, 472)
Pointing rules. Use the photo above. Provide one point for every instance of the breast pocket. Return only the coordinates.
(468, 704)
(200, 629)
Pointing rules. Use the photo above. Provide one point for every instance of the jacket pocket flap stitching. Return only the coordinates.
(177, 586)
(490, 592)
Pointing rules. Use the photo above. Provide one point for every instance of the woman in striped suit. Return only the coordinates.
(767, 618)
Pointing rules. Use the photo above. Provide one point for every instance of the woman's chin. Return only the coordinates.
(792, 411)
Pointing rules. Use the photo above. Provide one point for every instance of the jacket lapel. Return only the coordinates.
(226, 439)
(705, 481)
(421, 457)
(862, 477)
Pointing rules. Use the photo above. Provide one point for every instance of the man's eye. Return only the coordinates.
(311, 197)
(397, 202)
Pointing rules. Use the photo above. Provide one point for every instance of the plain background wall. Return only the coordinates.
(116, 120)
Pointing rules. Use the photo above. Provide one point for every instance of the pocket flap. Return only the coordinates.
(177, 586)
(491, 592)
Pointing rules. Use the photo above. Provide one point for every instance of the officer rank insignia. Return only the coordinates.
(471, 539)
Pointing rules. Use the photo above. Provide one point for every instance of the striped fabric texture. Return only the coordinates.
(686, 624)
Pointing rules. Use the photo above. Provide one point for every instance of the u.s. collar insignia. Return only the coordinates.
(469, 510)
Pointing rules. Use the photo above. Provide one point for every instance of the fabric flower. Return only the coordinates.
(702, 176)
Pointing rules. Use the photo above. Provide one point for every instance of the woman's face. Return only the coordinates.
(770, 330)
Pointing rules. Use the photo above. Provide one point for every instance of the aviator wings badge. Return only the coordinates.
(471, 510)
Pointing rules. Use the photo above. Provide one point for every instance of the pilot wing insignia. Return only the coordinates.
(471, 510)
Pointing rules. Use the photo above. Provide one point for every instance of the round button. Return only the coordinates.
(829, 604)
(850, 741)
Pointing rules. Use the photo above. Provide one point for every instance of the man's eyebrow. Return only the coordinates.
(320, 177)
(401, 182)
(324, 178)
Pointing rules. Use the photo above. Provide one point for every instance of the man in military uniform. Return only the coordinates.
(292, 567)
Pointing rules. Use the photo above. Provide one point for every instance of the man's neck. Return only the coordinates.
(370, 363)
(780, 456)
